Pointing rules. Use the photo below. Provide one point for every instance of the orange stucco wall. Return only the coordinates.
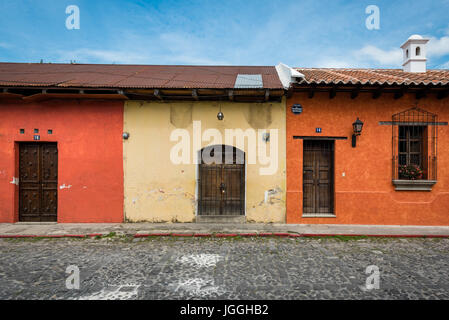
(365, 194)
(90, 156)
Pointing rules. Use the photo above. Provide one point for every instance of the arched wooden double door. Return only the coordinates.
(221, 186)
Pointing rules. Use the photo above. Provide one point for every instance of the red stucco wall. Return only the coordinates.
(90, 156)
(365, 195)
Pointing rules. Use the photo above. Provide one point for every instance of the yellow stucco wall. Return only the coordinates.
(157, 190)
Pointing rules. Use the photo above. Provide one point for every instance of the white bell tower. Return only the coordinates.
(414, 54)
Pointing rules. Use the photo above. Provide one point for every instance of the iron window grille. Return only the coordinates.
(414, 144)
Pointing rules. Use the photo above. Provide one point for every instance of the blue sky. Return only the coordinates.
(303, 33)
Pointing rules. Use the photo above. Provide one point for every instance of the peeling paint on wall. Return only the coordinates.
(181, 116)
(259, 115)
(167, 191)
(15, 181)
(63, 186)
(270, 195)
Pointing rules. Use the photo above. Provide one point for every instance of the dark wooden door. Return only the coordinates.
(38, 182)
(222, 185)
(318, 186)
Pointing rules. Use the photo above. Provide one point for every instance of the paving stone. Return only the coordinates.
(218, 268)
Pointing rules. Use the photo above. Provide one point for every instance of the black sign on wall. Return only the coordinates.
(297, 109)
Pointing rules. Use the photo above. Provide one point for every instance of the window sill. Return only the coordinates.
(318, 215)
(413, 185)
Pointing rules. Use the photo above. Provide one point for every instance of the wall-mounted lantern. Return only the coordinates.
(125, 135)
(357, 129)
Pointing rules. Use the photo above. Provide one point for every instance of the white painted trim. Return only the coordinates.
(412, 62)
(319, 215)
(246, 177)
(287, 75)
(422, 41)
(197, 179)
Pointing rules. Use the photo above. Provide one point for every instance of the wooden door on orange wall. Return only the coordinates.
(318, 185)
(38, 182)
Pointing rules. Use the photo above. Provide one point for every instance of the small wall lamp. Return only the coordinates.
(266, 136)
(357, 129)
(220, 114)
(125, 135)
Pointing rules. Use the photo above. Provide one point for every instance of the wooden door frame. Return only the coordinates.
(197, 182)
(16, 197)
(332, 160)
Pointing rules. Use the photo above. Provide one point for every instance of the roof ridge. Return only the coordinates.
(364, 69)
(139, 65)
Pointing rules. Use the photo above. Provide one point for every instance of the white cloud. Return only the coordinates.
(5, 45)
(167, 48)
(438, 47)
(444, 66)
(104, 56)
(372, 56)
(334, 63)
(367, 57)
(369, 53)
(188, 49)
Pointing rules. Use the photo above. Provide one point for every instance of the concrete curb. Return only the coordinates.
(50, 236)
(230, 235)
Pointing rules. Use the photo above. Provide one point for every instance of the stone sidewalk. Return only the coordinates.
(142, 229)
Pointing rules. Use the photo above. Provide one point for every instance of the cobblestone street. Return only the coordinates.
(232, 268)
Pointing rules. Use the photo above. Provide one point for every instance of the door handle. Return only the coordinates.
(222, 188)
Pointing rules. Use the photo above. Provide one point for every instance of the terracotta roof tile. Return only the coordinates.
(130, 76)
(373, 76)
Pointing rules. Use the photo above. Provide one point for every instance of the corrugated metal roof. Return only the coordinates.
(248, 81)
(131, 76)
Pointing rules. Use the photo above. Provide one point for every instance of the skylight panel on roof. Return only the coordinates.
(248, 81)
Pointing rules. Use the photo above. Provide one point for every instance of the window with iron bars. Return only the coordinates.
(414, 145)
